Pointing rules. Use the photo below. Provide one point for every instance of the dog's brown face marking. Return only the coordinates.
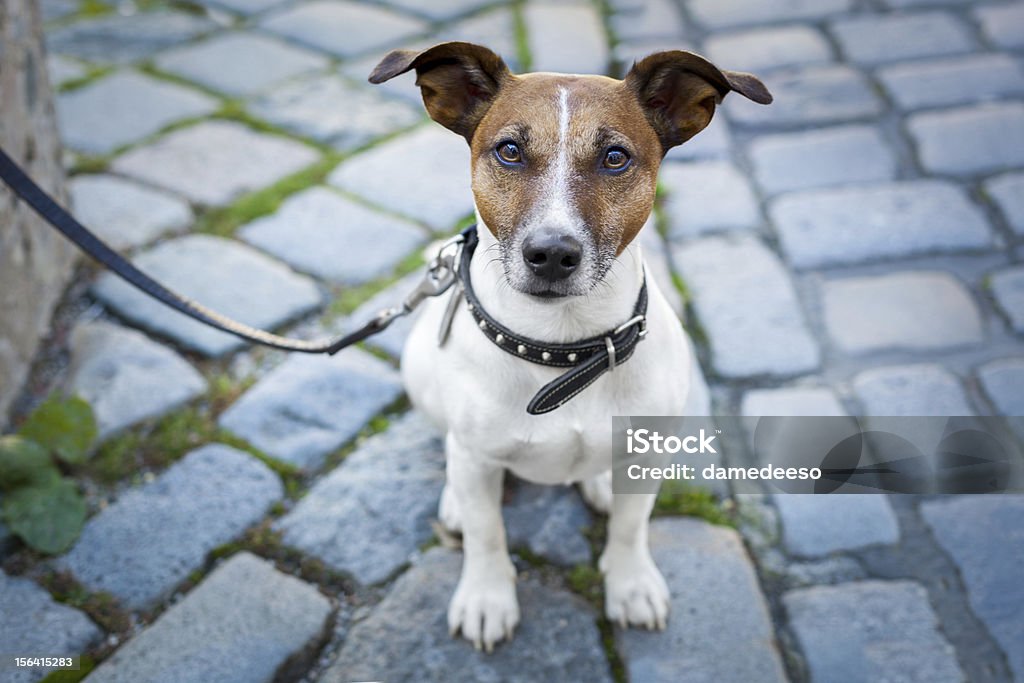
(563, 159)
(585, 165)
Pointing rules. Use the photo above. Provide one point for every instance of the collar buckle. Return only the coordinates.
(639, 319)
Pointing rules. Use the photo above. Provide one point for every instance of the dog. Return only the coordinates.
(564, 173)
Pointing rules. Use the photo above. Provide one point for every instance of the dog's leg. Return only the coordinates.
(484, 606)
(448, 509)
(635, 592)
(597, 491)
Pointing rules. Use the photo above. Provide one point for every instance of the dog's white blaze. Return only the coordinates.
(560, 211)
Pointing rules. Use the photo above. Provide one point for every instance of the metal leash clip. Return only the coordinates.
(442, 272)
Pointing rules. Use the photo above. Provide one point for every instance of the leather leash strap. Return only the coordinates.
(589, 358)
(48, 209)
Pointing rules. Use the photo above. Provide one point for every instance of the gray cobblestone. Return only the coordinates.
(761, 49)
(879, 39)
(332, 110)
(327, 25)
(126, 377)
(970, 140)
(550, 521)
(716, 14)
(959, 80)
(435, 187)
(405, 639)
(719, 629)
(244, 7)
(309, 406)
(1008, 193)
(239, 63)
(62, 70)
(567, 38)
(900, 4)
(245, 285)
(916, 311)
(391, 340)
(855, 224)
(912, 390)
(495, 29)
(145, 544)
(987, 561)
(751, 314)
(792, 401)
(32, 623)
(714, 142)
(652, 19)
(814, 526)
(240, 625)
(215, 162)
(811, 95)
(350, 518)
(707, 197)
(1003, 24)
(819, 158)
(1002, 380)
(320, 232)
(125, 214)
(52, 10)
(870, 631)
(1008, 289)
(124, 108)
(438, 10)
(123, 39)
(828, 571)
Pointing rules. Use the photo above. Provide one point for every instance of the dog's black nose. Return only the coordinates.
(552, 256)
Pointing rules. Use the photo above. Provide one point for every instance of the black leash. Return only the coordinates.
(48, 209)
(589, 358)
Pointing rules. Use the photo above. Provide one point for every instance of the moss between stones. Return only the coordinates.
(101, 607)
(87, 664)
(91, 74)
(677, 498)
(158, 444)
(225, 221)
(347, 299)
(379, 423)
(586, 581)
(266, 542)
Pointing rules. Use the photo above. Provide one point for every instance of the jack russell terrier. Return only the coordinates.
(564, 172)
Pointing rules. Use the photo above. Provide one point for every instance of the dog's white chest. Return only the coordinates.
(478, 394)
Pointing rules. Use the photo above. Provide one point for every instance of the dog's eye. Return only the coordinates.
(509, 153)
(616, 159)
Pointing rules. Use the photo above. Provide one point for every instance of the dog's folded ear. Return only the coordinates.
(458, 81)
(680, 90)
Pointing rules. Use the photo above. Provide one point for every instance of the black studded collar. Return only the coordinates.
(589, 358)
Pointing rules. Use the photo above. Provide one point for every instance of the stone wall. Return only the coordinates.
(35, 261)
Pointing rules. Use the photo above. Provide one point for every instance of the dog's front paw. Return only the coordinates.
(635, 591)
(485, 609)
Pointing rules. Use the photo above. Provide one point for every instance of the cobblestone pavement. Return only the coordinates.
(855, 248)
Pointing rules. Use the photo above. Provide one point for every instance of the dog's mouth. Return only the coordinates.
(548, 294)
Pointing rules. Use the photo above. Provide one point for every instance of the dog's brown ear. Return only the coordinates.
(679, 91)
(458, 81)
